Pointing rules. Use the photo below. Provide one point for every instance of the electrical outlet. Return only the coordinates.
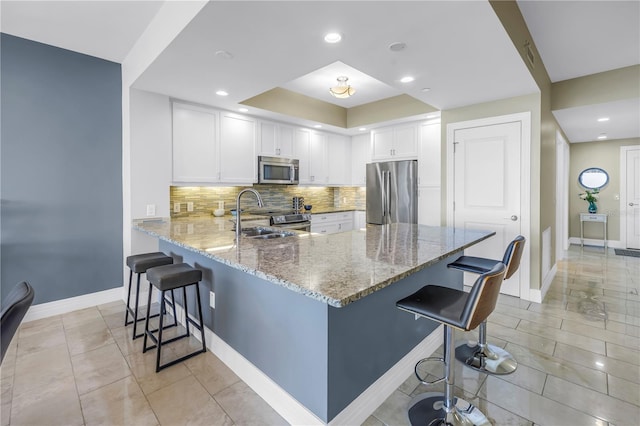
(416, 317)
(151, 209)
(190, 206)
(176, 207)
(212, 299)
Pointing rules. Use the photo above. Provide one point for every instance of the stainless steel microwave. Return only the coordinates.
(278, 170)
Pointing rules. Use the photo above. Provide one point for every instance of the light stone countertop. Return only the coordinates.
(336, 269)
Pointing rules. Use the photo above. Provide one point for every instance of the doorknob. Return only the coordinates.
(631, 204)
(513, 217)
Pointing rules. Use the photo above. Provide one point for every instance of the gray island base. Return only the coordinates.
(316, 313)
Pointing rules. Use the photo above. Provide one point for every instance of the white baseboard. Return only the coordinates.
(538, 295)
(597, 243)
(291, 409)
(63, 306)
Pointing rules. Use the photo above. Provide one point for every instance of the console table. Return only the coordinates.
(593, 217)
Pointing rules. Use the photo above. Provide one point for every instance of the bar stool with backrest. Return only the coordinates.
(483, 356)
(454, 309)
(168, 278)
(139, 264)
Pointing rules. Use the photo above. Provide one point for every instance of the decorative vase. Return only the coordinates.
(593, 208)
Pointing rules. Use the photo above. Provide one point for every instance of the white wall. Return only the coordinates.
(150, 153)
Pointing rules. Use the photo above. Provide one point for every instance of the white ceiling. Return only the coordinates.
(457, 49)
(578, 38)
(105, 29)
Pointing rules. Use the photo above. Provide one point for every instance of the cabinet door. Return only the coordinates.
(238, 160)
(429, 155)
(405, 141)
(360, 156)
(382, 143)
(339, 160)
(301, 151)
(267, 139)
(195, 156)
(318, 158)
(284, 143)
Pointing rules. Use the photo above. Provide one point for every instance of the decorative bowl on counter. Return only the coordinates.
(307, 207)
(218, 212)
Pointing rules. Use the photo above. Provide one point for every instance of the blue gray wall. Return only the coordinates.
(61, 170)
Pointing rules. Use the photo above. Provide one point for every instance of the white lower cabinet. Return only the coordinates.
(332, 223)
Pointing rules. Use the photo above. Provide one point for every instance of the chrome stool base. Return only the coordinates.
(427, 409)
(489, 359)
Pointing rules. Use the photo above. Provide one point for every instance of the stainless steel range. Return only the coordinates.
(295, 221)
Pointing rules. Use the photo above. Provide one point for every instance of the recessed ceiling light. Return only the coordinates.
(601, 119)
(407, 79)
(398, 46)
(333, 37)
(224, 54)
(602, 136)
(362, 129)
(243, 109)
(318, 126)
(425, 89)
(222, 93)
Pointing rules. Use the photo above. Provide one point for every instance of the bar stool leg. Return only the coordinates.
(126, 311)
(159, 343)
(204, 345)
(186, 311)
(484, 357)
(146, 324)
(434, 408)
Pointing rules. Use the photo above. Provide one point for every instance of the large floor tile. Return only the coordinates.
(525, 314)
(591, 402)
(532, 341)
(212, 373)
(91, 335)
(394, 410)
(632, 356)
(625, 390)
(80, 317)
(58, 406)
(245, 407)
(98, 368)
(40, 340)
(186, 402)
(143, 367)
(574, 372)
(534, 407)
(611, 366)
(577, 340)
(120, 403)
(605, 335)
(42, 371)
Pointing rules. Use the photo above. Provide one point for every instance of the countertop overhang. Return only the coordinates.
(336, 269)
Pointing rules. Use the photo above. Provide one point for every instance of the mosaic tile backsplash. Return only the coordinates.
(276, 197)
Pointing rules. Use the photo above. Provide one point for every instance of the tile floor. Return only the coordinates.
(578, 354)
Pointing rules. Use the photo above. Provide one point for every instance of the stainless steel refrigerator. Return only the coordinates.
(392, 192)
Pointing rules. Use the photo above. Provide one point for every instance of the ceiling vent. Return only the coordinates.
(528, 53)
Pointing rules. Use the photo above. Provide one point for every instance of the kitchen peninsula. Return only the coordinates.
(316, 313)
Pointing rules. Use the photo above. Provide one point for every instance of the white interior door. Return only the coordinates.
(487, 174)
(632, 180)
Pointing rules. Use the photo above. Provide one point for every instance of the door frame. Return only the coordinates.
(524, 118)
(562, 195)
(623, 192)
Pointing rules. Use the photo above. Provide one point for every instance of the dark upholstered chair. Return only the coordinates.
(14, 308)
(483, 356)
(454, 309)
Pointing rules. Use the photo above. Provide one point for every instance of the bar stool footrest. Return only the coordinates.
(422, 379)
(492, 360)
(428, 409)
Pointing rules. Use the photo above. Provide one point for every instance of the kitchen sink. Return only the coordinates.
(261, 232)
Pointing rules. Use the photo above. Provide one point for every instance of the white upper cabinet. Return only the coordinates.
(360, 156)
(319, 169)
(339, 159)
(429, 162)
(238, 159)
(302, 151)
(275, 140)
(210, 146)
(195, 148)
(395, 143)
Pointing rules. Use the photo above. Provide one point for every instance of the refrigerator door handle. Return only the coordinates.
(387, 191)
(383, 189)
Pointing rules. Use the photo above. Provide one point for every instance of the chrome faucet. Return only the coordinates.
(238, 224)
